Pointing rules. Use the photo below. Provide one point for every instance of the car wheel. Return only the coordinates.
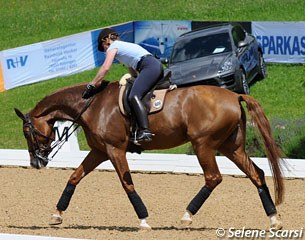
(241, 83)
(262, 70)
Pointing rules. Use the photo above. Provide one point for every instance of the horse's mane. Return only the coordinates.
(67, 96)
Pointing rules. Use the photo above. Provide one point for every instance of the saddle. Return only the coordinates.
(153, 100)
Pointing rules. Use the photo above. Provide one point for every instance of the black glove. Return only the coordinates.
(89, 91)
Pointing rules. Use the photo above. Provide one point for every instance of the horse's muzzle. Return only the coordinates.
(38, 161)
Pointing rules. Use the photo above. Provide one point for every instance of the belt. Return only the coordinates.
(141, 60)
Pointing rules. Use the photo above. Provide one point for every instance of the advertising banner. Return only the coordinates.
(158, 37)
(45, 60)
(282, 42)
(1, 75)
(59, 57)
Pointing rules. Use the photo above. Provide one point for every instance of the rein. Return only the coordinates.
(60, 143)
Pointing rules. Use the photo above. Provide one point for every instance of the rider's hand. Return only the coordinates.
(89, 91)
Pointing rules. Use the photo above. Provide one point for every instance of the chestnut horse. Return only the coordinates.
(211, 118)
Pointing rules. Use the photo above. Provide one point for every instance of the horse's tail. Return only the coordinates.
(272, 150)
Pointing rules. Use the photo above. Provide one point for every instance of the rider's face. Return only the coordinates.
(105, 45)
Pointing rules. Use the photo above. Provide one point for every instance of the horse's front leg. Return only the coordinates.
(92, 160)
(119, 161)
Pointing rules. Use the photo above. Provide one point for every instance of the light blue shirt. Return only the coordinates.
(128, 53)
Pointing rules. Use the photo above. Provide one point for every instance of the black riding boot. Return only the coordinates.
(143, 134)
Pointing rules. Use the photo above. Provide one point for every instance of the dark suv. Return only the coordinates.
(222, 55)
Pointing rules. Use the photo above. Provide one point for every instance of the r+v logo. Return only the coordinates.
(16, 62)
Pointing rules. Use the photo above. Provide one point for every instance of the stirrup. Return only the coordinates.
(141, 135)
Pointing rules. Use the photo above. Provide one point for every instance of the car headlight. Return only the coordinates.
(226, 66)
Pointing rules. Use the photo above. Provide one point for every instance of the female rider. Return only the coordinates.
(141, 64)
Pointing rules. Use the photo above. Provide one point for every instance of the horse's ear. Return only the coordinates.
(19, 114)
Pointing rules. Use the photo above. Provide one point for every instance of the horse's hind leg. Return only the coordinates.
(212, 176)
(234, 149)
(92, 160)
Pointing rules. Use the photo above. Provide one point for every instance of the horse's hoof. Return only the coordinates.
(56, 219)
(277, 226)
(186, 222)
(275, 222)
(144, 225)
(186, 219)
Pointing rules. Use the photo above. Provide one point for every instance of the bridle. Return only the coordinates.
(42, 150)
(37, 149)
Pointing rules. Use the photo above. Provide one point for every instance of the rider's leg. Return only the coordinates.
(142, 120)
(149, 73)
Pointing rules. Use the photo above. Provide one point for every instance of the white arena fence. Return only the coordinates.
(152, 162)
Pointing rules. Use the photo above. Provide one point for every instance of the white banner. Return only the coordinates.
(282, 42)
(45, 60)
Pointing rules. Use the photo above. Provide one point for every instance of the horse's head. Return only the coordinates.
(39, 141)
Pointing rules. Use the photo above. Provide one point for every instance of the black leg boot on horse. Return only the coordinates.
(142, 133)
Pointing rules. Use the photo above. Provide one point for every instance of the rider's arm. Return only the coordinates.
(105, 67)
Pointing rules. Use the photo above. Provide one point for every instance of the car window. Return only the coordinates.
(201, 47)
